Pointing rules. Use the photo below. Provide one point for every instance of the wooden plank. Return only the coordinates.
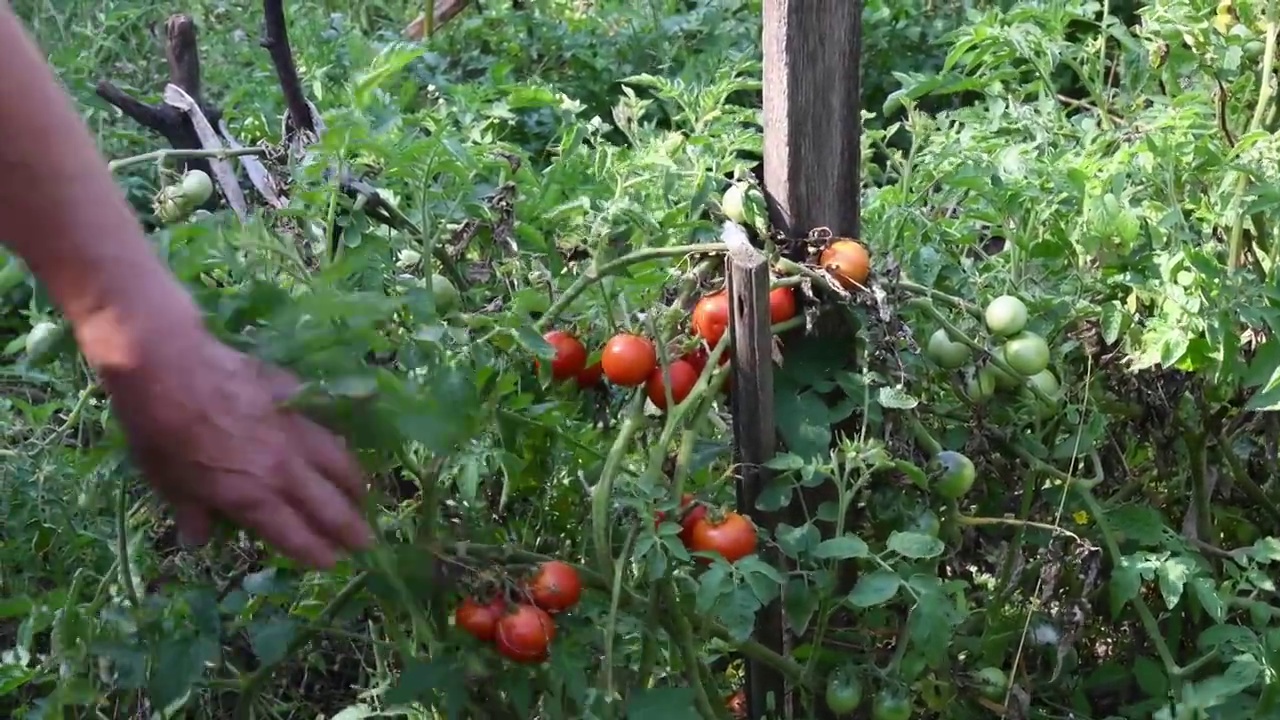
(755, 435)
(813, 115)
(812, 154)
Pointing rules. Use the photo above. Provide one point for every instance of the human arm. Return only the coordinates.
(203, 420)
(65, 217)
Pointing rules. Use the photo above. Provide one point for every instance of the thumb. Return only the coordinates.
(195, 523)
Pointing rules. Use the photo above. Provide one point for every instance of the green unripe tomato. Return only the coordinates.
(170, 205)
(945, 352)
(196, 187)
(40, 339)
(891, 705)
(1005, 316)
(844, 693)
(733, 204)
(992, 683)
(954, 474)
(447, 296)
(1027, 353)
(981, 385)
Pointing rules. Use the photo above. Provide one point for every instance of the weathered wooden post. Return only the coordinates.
(812, 179)
(813, 115)
(754, 432)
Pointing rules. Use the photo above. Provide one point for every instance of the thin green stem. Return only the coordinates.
(160, 155)
(596, 273)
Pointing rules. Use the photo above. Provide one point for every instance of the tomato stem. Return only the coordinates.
(603, 491)
(598, 272)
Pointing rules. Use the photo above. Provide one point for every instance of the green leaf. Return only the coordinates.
(1126, 580)
(842, 548)
(420, 681)
(270, 638)
(1150, 676)
(1172, 575)
(712, 586)
(895, 399)
(799, 603)
(1139, 523)
(875, 588)
(917, 546)
(1209, 599)
(1266, 550)
(662, 703)
(796, 541)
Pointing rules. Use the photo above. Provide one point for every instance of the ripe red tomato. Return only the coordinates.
(711, 317)
(479, 620)
(525, 634)
(628, 359)
(683, 378)
(691, 518)
(782, 304)
(733, 536)
(697, 357)
(556, 587)
(591, 375)
(687, 506)
(571, 355)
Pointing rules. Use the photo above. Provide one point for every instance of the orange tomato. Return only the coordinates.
(848, 261)
(782, 304)
(556, 587)
(628, 359)
(733, 536)
(571, 355)
(683, 378)
(711, 317)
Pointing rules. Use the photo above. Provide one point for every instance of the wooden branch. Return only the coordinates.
(444, 11)
(275, 38)
(812, 115)
(182, 53)
(755, 437)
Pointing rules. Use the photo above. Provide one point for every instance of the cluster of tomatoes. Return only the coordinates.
(630, 360)
(730, 534)
(522, 631)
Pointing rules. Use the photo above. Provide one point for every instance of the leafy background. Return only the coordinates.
(1107, 162)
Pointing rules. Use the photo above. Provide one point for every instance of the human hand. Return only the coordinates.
(204, 426)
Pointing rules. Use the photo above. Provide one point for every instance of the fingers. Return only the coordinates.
(195, 524)
(278, 524)
(331, 512)
(328, 454)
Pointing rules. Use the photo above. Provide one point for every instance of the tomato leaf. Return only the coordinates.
(874, 588)
(661, 703)
(842, 548)
(915, 545)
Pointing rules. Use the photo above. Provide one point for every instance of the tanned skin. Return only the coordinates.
(202, 419)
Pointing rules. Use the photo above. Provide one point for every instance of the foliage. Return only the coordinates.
(1114, 556)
